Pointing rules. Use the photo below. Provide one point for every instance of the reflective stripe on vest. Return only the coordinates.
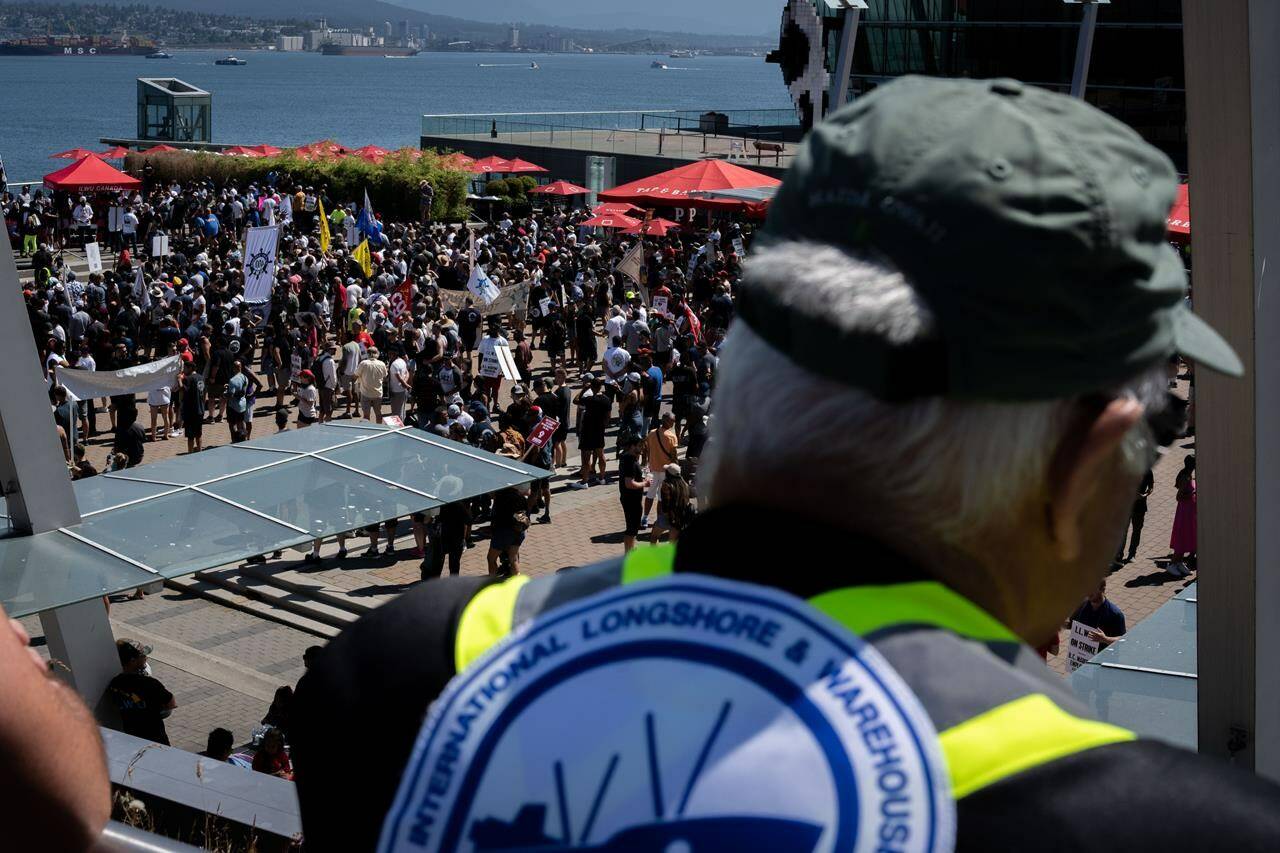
(486, 620)
(1007, 739)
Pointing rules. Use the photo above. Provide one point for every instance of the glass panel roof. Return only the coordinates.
(432, 468)
(98, 493)
(323, 498)
(186, 532)
(194, 468)
(277, 492)
(38, 572)
(312, 439)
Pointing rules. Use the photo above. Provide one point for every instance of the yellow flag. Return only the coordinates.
(324, 228)
(361, 255)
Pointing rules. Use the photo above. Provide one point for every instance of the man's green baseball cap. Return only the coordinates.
(1030, 224)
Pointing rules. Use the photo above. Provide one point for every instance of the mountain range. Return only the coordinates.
(721, 17)
(715, 19)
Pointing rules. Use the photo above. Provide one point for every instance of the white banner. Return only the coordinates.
(84, 384)
(93, 255)
(633, 263)
(511, 299)
(260, 263)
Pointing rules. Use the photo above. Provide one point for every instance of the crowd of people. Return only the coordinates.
(335, 342)
(635, 356)
(338, 339)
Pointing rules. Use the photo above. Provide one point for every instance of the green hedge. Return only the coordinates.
(392, 184)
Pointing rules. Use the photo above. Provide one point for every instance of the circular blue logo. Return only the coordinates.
(688, 713)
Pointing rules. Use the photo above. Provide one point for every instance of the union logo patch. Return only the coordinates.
(681, 714)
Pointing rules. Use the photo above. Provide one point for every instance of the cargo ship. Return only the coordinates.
(77, 46)
(370, 50)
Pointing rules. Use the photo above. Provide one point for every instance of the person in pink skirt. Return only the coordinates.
(1183, 539)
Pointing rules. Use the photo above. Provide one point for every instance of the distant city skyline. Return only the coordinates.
(721, 17)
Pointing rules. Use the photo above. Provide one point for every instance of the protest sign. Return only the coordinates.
(507, 363)
(490, 368)
(544, 306)
(739, 247)
(660, 304)
(93, 255)
(393, 421)
(1080, 646)
(160, 246)
(542, 433)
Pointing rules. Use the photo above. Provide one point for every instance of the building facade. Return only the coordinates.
(1136, 73)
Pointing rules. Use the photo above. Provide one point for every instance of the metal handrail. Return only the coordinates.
(120, 838)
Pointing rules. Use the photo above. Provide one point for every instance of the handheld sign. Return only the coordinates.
(1080, 647)
(507, 363)
(660, 304)
(543, 431)
(160, 246)
(393, 421)
(93, 255)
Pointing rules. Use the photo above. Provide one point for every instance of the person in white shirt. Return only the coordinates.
(616, 360)
(129, 229)
(615, 326)
(354, 294)
(398, 382)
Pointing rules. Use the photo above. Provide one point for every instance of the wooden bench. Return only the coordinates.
(774, 148)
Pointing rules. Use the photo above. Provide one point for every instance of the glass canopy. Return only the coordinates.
(195, 512)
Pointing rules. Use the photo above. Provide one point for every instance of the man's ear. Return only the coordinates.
(1078, 465)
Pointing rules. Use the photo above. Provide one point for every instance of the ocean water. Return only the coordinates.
(50, 104)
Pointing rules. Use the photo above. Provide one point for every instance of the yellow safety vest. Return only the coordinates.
(993, 718)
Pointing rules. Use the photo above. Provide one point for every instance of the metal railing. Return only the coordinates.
(120, 838)
(444, 124)
(660, 134)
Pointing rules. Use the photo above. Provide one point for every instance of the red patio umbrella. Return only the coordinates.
(324, 148)
(654, 228)
(115, 152)
(1179, 221)
(267, 150)
(615, 221)
(522, 167)
(489, 165)
(92, 175)
(602, 209)
(559, 188)
(673, 187)
(73, 154)
(372, 153)
(243, 151)
(161, 149)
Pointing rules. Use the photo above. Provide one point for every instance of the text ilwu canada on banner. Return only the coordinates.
(260, 263)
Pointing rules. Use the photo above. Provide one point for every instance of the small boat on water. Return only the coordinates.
(533, 65)
(230, 60)
(159, 54)
(661, 66)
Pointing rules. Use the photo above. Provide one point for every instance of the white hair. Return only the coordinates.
(935, 469)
